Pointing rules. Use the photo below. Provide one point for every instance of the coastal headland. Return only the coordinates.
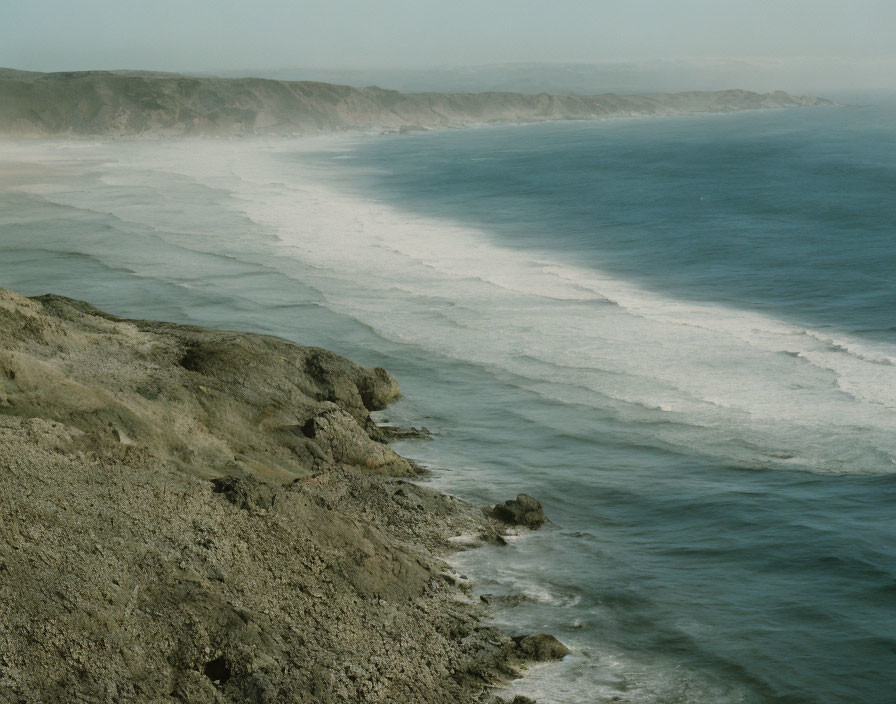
(197, 515)
(128, 104)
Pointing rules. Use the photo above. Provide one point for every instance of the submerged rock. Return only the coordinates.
(505, 600)
(391, 433)
(521, 511)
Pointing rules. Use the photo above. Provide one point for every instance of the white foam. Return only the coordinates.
(746, 385)
(604, 674)
(738, 385)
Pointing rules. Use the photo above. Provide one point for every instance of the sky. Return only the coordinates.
(223, 35)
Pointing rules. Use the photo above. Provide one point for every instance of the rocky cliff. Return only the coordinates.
(130, 104)
(191, 515)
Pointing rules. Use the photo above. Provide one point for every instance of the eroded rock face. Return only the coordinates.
(247, 493)
(338, 434)
(216, 402)
(378, 388)
(522, 511)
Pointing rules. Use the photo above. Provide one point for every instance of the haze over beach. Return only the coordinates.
(427, 353)
(824, 44)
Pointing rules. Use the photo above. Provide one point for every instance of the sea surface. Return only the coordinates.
(678, 333)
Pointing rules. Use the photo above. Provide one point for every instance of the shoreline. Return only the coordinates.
(48, 171)
(127, 527)
(359, 133)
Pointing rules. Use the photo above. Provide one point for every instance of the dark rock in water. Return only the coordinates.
(519, 699)
(506, 600)
(521, 511)
(541, 648)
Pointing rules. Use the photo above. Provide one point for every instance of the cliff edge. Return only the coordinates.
(194, 515)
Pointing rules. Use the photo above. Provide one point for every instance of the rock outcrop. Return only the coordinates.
(115, 103)
(523, 511)
(541, 647)
(192, 515)
(209, 401)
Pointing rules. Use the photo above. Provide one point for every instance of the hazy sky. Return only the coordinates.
(208, 35)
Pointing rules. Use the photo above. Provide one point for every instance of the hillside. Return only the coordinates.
(123, 103)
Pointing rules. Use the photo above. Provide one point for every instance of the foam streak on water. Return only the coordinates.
(708, 379)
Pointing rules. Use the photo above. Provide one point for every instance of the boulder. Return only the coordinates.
(521, 511)
(541, 648)
(378, 388)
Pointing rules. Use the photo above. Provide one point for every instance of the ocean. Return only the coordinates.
(678, 333)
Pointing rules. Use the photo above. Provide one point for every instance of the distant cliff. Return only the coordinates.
(133, 103)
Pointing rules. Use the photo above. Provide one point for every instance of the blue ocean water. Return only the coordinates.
(785, 212)
(677, 333)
